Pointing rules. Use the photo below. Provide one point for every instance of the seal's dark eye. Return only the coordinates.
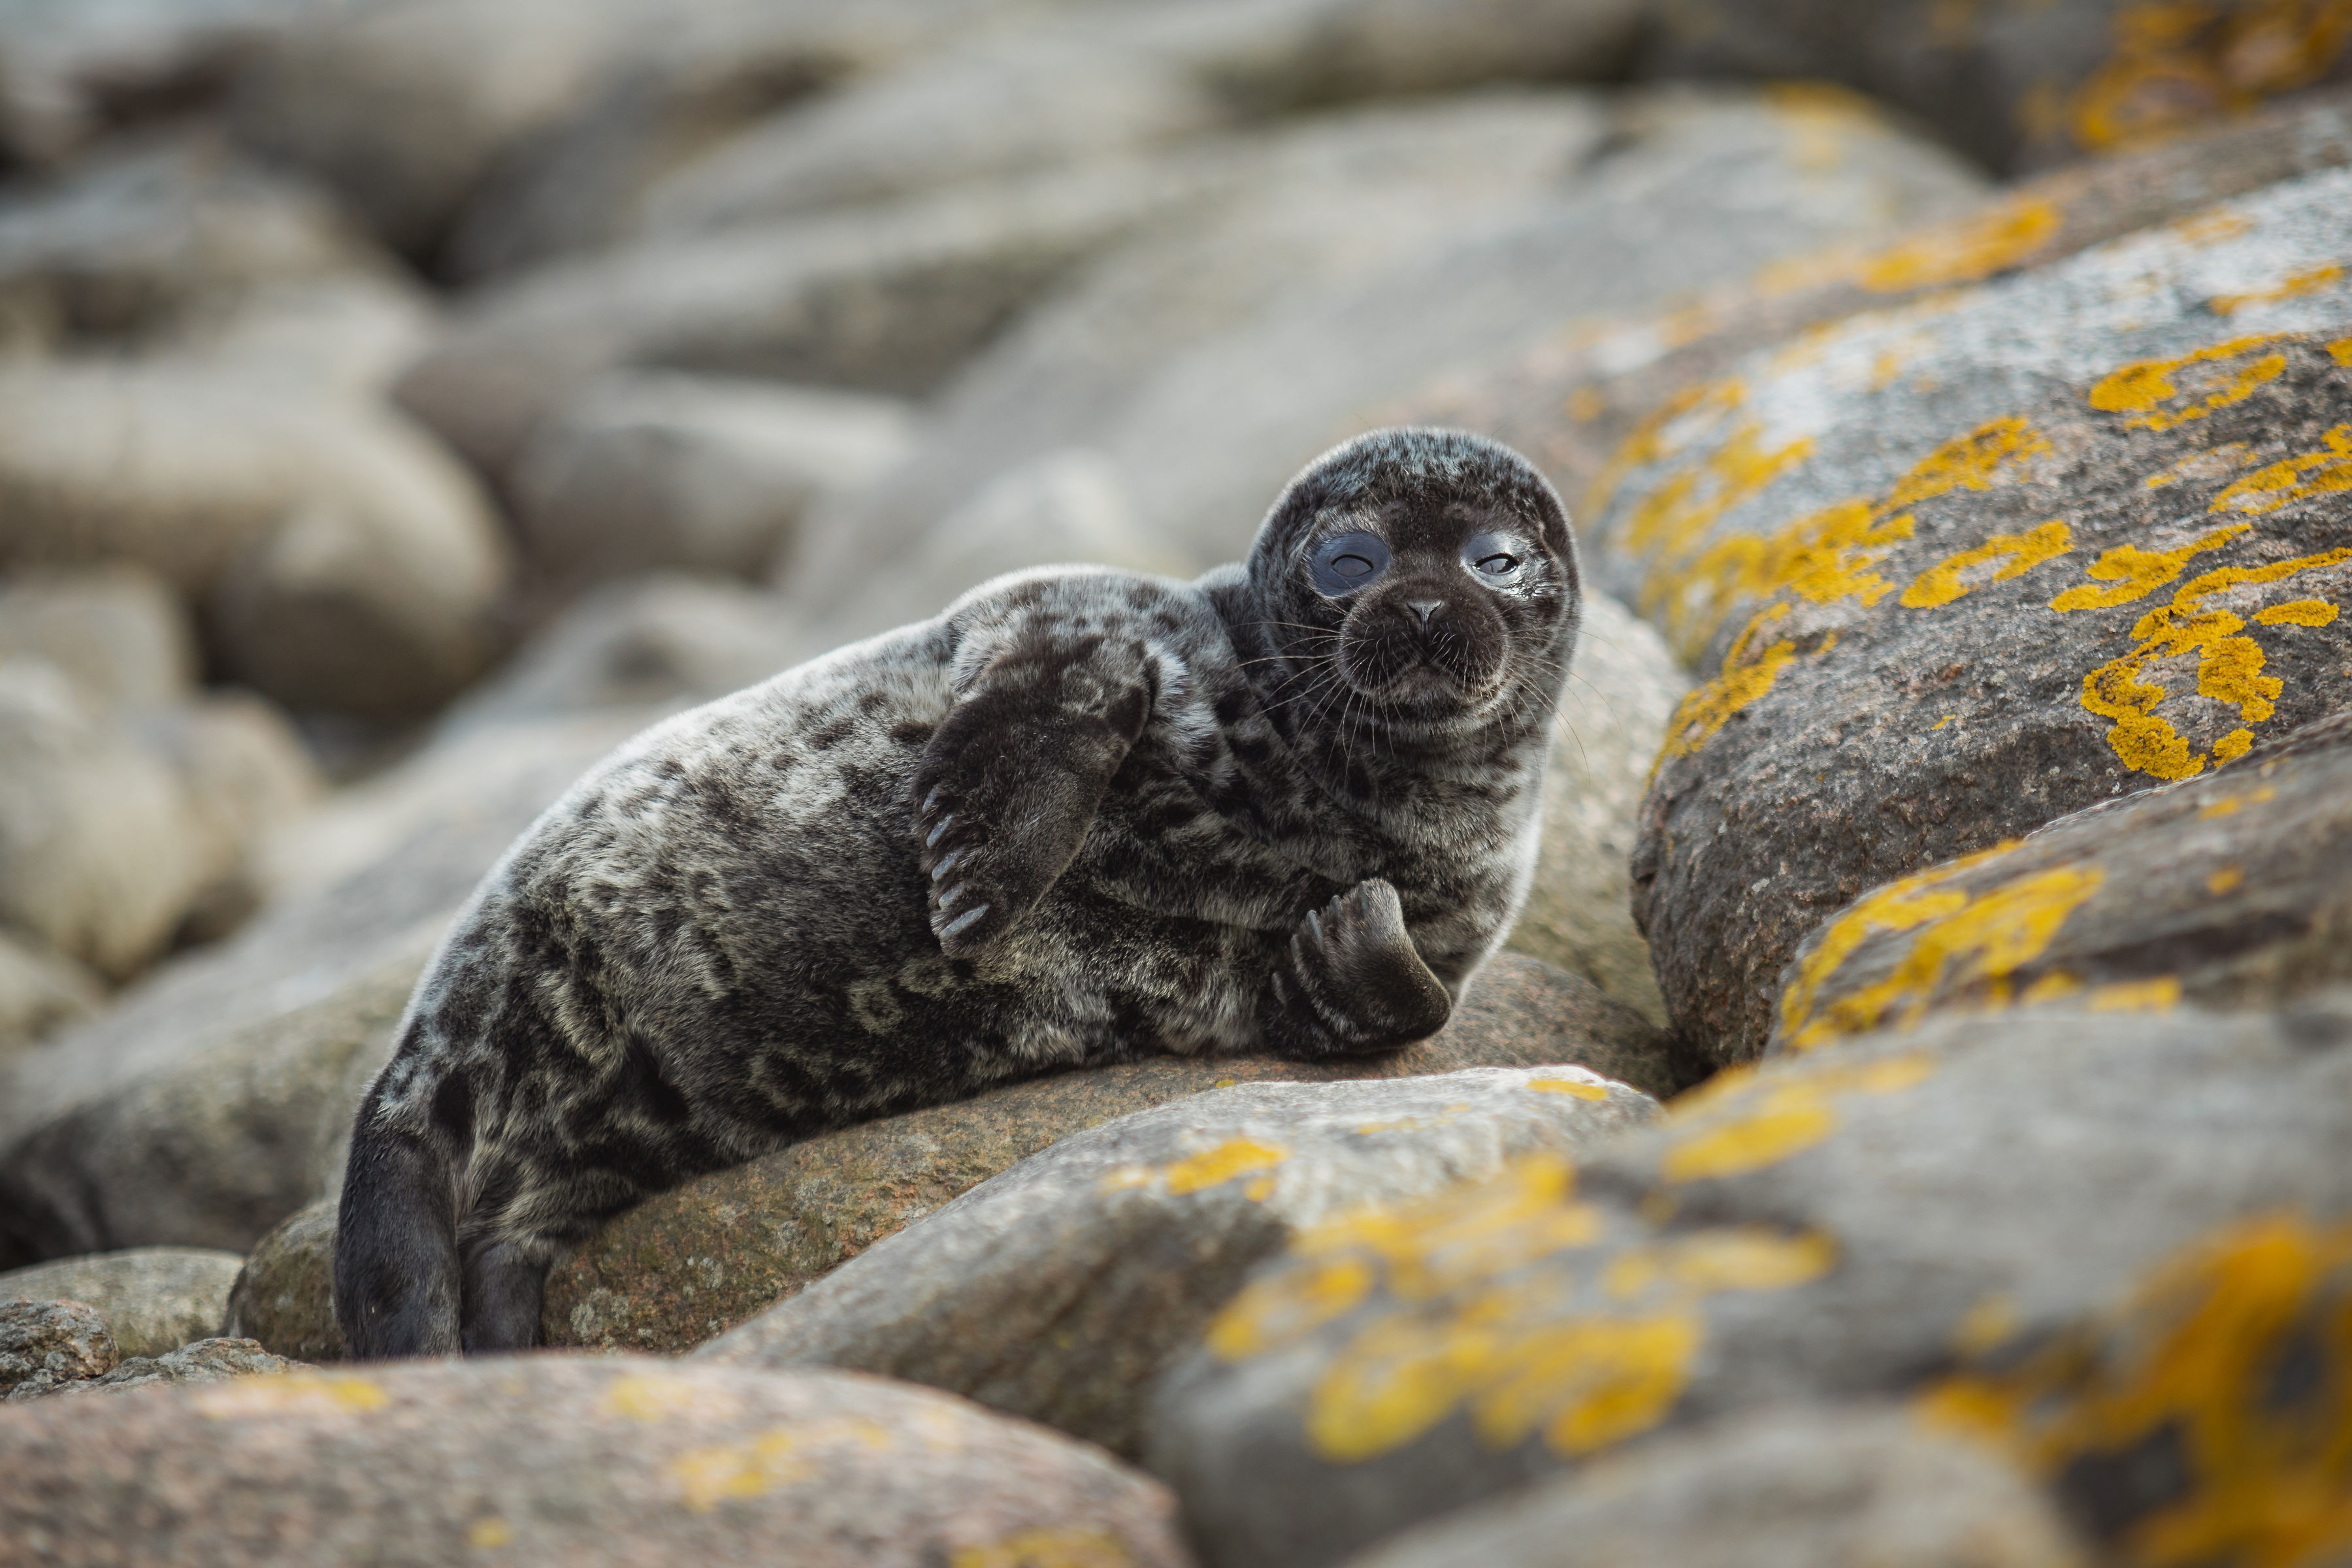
(1496, 557)
(1346, 563)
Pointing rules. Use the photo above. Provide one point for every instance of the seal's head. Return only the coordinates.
(1424, 578)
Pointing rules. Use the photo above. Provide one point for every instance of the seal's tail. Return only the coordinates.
(396, 1272)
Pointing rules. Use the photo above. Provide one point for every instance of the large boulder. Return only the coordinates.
(1121, 79)
(154, 1299)
(1060, 1289)
(888, 299)
(2230, 891)
(695, 1261)
(646, 470)
(142, 235)
(1950, 1214)
(117, 632)
(41, 991)
(630, 1461)
(344, 561)
(1584, 399)
(2021, 86)
(1376, 249)
(247, 775)
(1621, 690)
(100, 851)
(1795, 1486)
(1912, 556)
(202, 1109)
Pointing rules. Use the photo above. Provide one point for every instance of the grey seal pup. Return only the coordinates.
(1082, 815)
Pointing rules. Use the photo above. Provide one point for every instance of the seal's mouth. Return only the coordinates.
(1426, 658)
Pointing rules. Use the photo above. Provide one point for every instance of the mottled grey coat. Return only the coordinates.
(1082, 815)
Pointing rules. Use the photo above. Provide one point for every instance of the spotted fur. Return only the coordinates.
(1080, 816)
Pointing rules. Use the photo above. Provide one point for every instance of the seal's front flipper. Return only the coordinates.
(1351, 983)
(1011, 780)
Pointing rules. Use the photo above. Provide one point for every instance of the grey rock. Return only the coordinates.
(693, 1262)
(1954, 1216)
(117, 632)
(41, 991)
(1060, 1289)
(1081, 84)
(201, 1361)
(888, 299)
(1900, 554)
(345, 562)
(2019, 86)
(153, 1299)
(99, 845)
(45, 1344)
(1375, 251)
(348, 333)
(247, 774)
(1620, 692)
(2232, 891)
(632, 1460)
(203, 1108)
(659, 643)
(643, 470)
(1799, 1486)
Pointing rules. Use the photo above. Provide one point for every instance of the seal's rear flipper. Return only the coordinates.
(1012, 779)
(1351, 983)
(396, 1277)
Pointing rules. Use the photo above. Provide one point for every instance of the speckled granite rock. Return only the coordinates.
(1970, 1199)
(1059, 1289)
(1577, 400)
(1797, 1487)
(2023, 83)
(153, 1299)
(2229, 890)
(597, 1462)
(692, 1262)
(201, 1361)
(1913, 552)
(1621, 693)
(44, 1344)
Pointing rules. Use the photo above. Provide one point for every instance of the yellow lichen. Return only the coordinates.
(2290, 288)
(1047, 1548)
(2230, 1360)
(1987, 1325)
(2161, 995)
(2137, 573)
(2177, 61)
(297, 1394)
(1234, 1157)
(2143, 388)
(1967, 250)
(1899, 906)
(1568, 1086)
(1941, 723)
(2208, 464)
(753, 1466)
(487, 1533)
(2226, 881)
(2298, 478)
(659, 1396)
(2018, 554)
(1787, 1117)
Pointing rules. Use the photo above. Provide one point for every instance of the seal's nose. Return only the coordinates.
(1425, 609)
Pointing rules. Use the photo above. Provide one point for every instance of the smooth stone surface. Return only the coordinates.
(117, 632)
(630, 1461)
(1799, 1486)
(41, 991)
(247, 774)
(1060, 1289)
(2233, 890)
(45, 1344)
(100, 851)
(214, 1100)
(2020, 86)
(344, 561)
(201, 1361)
(695, 1261)
(154, 1299)
(1621, 690)
(706, 473)
(1969, 1200)
(1903, 553)
(1579, 400)
(887, 300)
(1380, 248)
